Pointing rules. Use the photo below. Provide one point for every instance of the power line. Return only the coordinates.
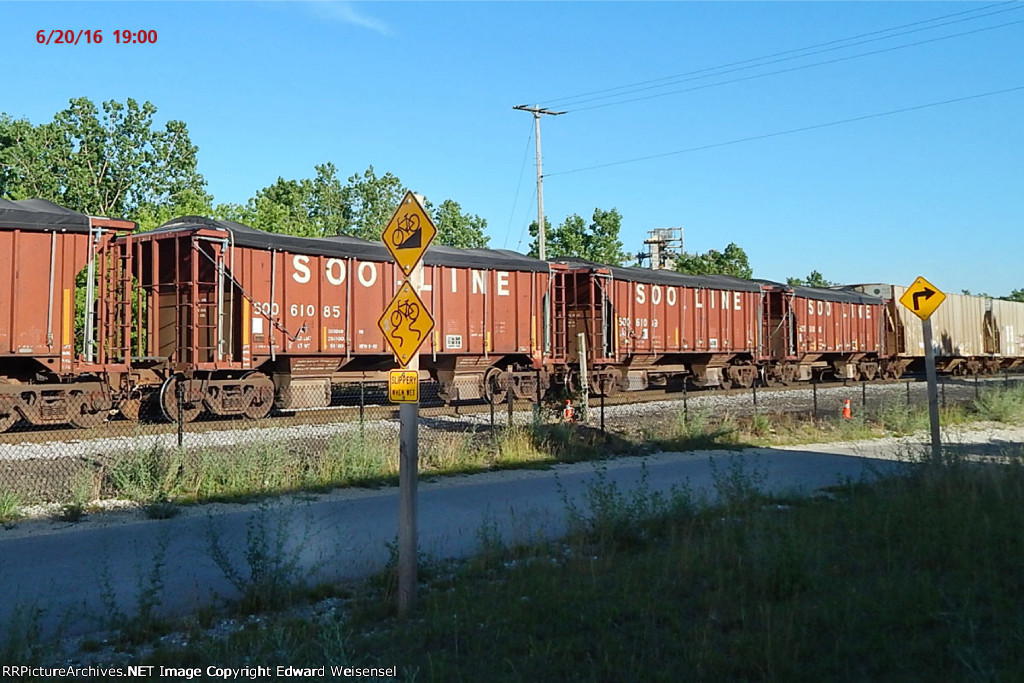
(629, 87)
(791, 131)
(797, 68)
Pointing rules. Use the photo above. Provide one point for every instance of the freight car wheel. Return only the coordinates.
(495, 386)
(7, 419)
(742, 376)
(608, 383)
(82, 414)
(772, 377)
(261, 390)
(169, 402)
(132, 406)
(787, 374)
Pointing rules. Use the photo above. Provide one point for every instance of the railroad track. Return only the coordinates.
(375, 409)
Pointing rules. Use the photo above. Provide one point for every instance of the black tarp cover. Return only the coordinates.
(41, 215)
(668, 277)
(345, 247)
(841, 294)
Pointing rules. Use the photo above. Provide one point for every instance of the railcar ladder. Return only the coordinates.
(205, 340)
(598, 325)
(116, 335)
(559, 316)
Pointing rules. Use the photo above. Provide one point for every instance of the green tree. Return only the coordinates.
(603, 244)
(369, 203)
(322, 207)
(568, 239)
(112, 164)
(1015, 295)
(573, 238)
(310, 207)
(732, 261)
(458, 229)
(815, 279)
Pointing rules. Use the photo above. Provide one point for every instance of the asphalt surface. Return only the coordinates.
(76, 577)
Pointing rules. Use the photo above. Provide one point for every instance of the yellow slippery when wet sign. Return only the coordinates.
(406, 323)
(408, 234)
(922, 298)
(404, 386)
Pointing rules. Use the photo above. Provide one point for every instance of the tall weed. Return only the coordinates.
(10, 507)
(613, 517)
(271, 578)
(1001, 405)
(148, 475)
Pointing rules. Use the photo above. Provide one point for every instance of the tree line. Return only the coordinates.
(113, 160)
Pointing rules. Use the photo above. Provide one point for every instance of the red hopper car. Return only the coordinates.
(245, 320)
(51, 373)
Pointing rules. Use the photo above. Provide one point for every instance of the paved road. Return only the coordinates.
(63, 570)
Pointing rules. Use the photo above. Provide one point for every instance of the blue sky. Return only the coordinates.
(425, 90)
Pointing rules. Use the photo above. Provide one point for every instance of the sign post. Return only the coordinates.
(406, 324)
(922, 298)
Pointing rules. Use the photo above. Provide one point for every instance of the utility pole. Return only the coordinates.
(537, 111)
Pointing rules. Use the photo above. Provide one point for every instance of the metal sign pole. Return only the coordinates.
(933, 392)
(922, 298)
(406, 324)
(408, 478)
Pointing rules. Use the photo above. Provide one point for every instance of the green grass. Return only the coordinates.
(160, 478)
(1001, 405)
(915, 578)
(157, 475)
(10, 507)
(696, 430)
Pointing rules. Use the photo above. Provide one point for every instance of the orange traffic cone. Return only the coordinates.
(847, 411)
(568, 413)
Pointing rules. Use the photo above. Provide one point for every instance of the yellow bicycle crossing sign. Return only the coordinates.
(409, 232)
(406, 323)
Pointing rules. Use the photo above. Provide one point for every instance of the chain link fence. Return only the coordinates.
(355, 440)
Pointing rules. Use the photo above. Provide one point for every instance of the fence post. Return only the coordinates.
(179, 392)
(942, 383)
(686, 406)
(863, 396)
(362, 401)
(492, 418)
(581, 345)
(753, 388)
(537, 407)
(977, 389)
(908, 392)
(814, 390)
(602, 412)
(510, 397)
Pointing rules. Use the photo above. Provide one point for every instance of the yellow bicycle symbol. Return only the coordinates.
(407, 234)
(406, 312)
